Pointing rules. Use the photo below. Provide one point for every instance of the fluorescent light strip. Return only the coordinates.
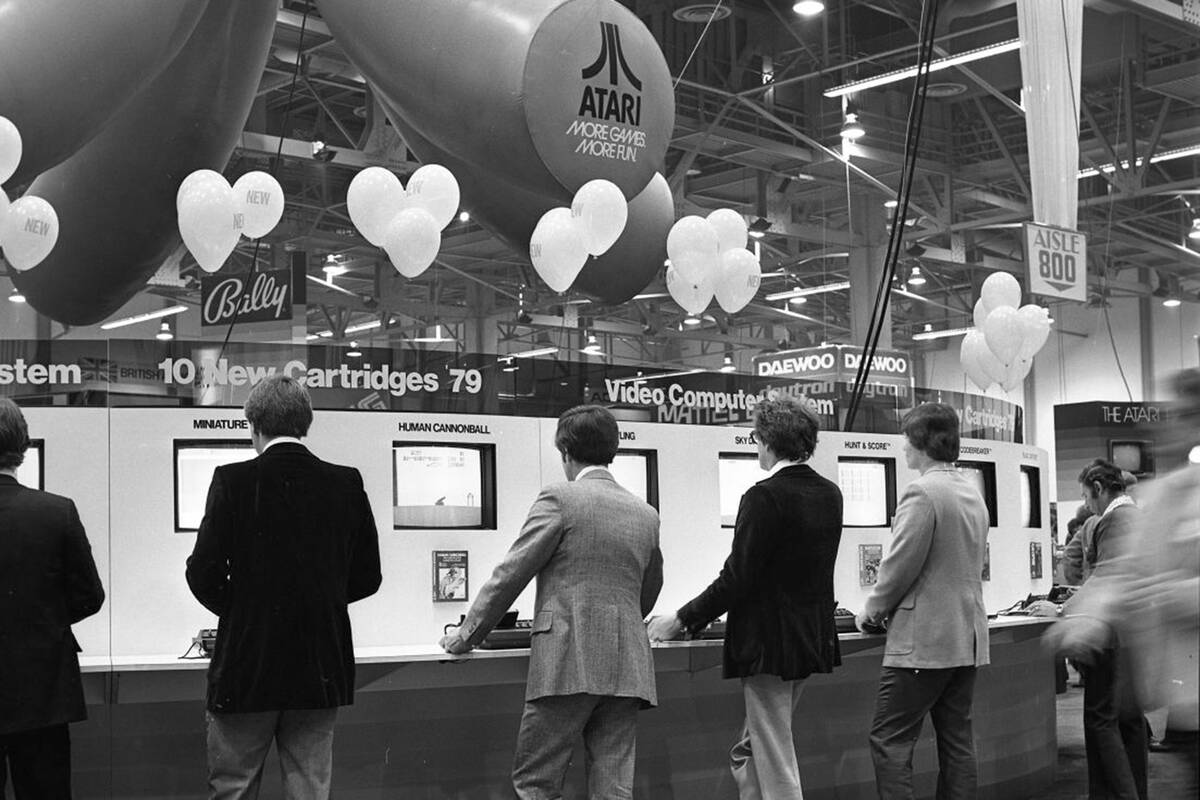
(934, 66)
(364, 326)
(946, 334)
(134, 320)
(790, 293)
(541, 351)
(1166, 155)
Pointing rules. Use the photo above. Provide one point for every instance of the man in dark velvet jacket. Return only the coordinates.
(48, 582)
(287, 542)
(777, 587)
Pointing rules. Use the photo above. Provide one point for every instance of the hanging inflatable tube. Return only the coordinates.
(115, 197)
(102, 55)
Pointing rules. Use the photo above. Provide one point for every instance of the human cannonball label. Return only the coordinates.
(598, 96)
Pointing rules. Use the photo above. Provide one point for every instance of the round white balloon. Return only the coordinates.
(434, 188)
(1035, 322)
(558, 248)
(196, 178)
(208, 222)
(374, 198)
(738, 280)
(694, 249)
(28, 232)
(1000, 289)
(260, 202)
(979, 314)
(1004, 333)
(412, 241)
(979, 354)
(10, 148)
(692, 296)
(968, 357)
(600, 207)
(731, 229)
(3, 204)
(1015, 374)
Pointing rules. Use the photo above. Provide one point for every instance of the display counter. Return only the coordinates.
(425, 724)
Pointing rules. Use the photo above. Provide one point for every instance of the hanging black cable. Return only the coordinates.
(275, 161)
(912, 139)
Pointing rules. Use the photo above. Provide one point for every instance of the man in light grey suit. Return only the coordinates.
(593, 547)
(930, 597)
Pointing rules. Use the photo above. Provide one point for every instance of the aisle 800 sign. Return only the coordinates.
(1057, 262)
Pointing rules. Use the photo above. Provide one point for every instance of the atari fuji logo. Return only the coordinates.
(610, 103)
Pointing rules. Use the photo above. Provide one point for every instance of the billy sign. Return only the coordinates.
(266, 297)
(1057, 262)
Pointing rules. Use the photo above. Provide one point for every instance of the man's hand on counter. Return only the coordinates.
(864, 624)
(664, 628)
(453, 643)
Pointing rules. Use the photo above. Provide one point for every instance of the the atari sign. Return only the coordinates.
(598, 97)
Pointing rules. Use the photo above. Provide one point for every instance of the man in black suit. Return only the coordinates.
(48, 582)
(777, 586)
(287, 542)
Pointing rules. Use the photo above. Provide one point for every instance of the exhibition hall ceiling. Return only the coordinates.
(754, 132)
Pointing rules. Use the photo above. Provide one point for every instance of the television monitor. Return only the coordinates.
(1031, 497)
(32, 472)
(1133, 455)
(195, 462)
(736, 472)
(983, 475)
(868, 491)
(443, 485)
(637, 471)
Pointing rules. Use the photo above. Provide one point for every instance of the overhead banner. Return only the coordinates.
(265, 297)
(1056, 261)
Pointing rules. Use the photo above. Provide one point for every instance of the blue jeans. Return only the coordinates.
(238, 746)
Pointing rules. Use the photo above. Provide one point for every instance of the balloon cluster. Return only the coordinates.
(565, 237)
(407, 222)
(213, 214)
(708, 257)
(29, 225)
(1001, 346)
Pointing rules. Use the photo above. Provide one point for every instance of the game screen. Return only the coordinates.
(195, 462)
(637, 471)
(436, 485)
(868, 493)
(31, 473)
(736, 472)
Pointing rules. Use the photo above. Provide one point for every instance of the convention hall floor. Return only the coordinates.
(1169, 772)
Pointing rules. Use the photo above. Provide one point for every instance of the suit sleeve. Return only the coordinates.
(1073, 559)
(754, 540)
(208, 566)
(536, 544)
(912, 537)
(85, 593)
(365, 575)
(652, 580)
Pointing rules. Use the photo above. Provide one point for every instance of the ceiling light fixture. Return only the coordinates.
(759, 227)
(852, 129)
(934, 66)
(354, 352)
(915, 278)
(508, 364)
(1166, 155)
(149, 315)
(1171, 302)
(798, 301)
(333, 267)
(322, 151)
(808, 8)
(164, 332)
(464, 216)
(16, 296)
(364, 326)
(811, 290)
(728, 366)
(944, 334)
(593, 347)
(1194, 233)
(437, 337)
(692, 319)
(540, 351)
(891, 203)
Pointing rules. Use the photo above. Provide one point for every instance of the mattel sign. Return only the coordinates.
(264, 297)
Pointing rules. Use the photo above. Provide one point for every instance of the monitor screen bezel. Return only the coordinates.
(196, 444)
(487, 484)
(732, 456)
(651, 462)
(1035, 496)
(1147, 450)
(40, 446)
(889, 466)
(988, 468)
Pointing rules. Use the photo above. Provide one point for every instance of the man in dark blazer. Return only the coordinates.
(777, 587)
(930, 597)
(593, 547)
(287, 543)
(48, 582)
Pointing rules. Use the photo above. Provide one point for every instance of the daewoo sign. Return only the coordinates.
(266, 298)
(798, 362)
(894, 364)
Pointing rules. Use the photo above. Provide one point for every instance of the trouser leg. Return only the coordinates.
(951, 715)
(610, 742)
(305, 742)
(763, 760)
(545, 739)
(905, 696)
(237, 747)
(1110, 774)
(40, 763)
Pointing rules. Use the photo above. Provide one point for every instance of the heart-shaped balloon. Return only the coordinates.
(208, 221)
(434, 188)
(373, 200)
(28, 232)
(260, 202)
(558, 248)
(412, 241)
(601, 209)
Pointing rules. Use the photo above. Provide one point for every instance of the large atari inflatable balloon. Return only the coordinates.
(526, 101)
